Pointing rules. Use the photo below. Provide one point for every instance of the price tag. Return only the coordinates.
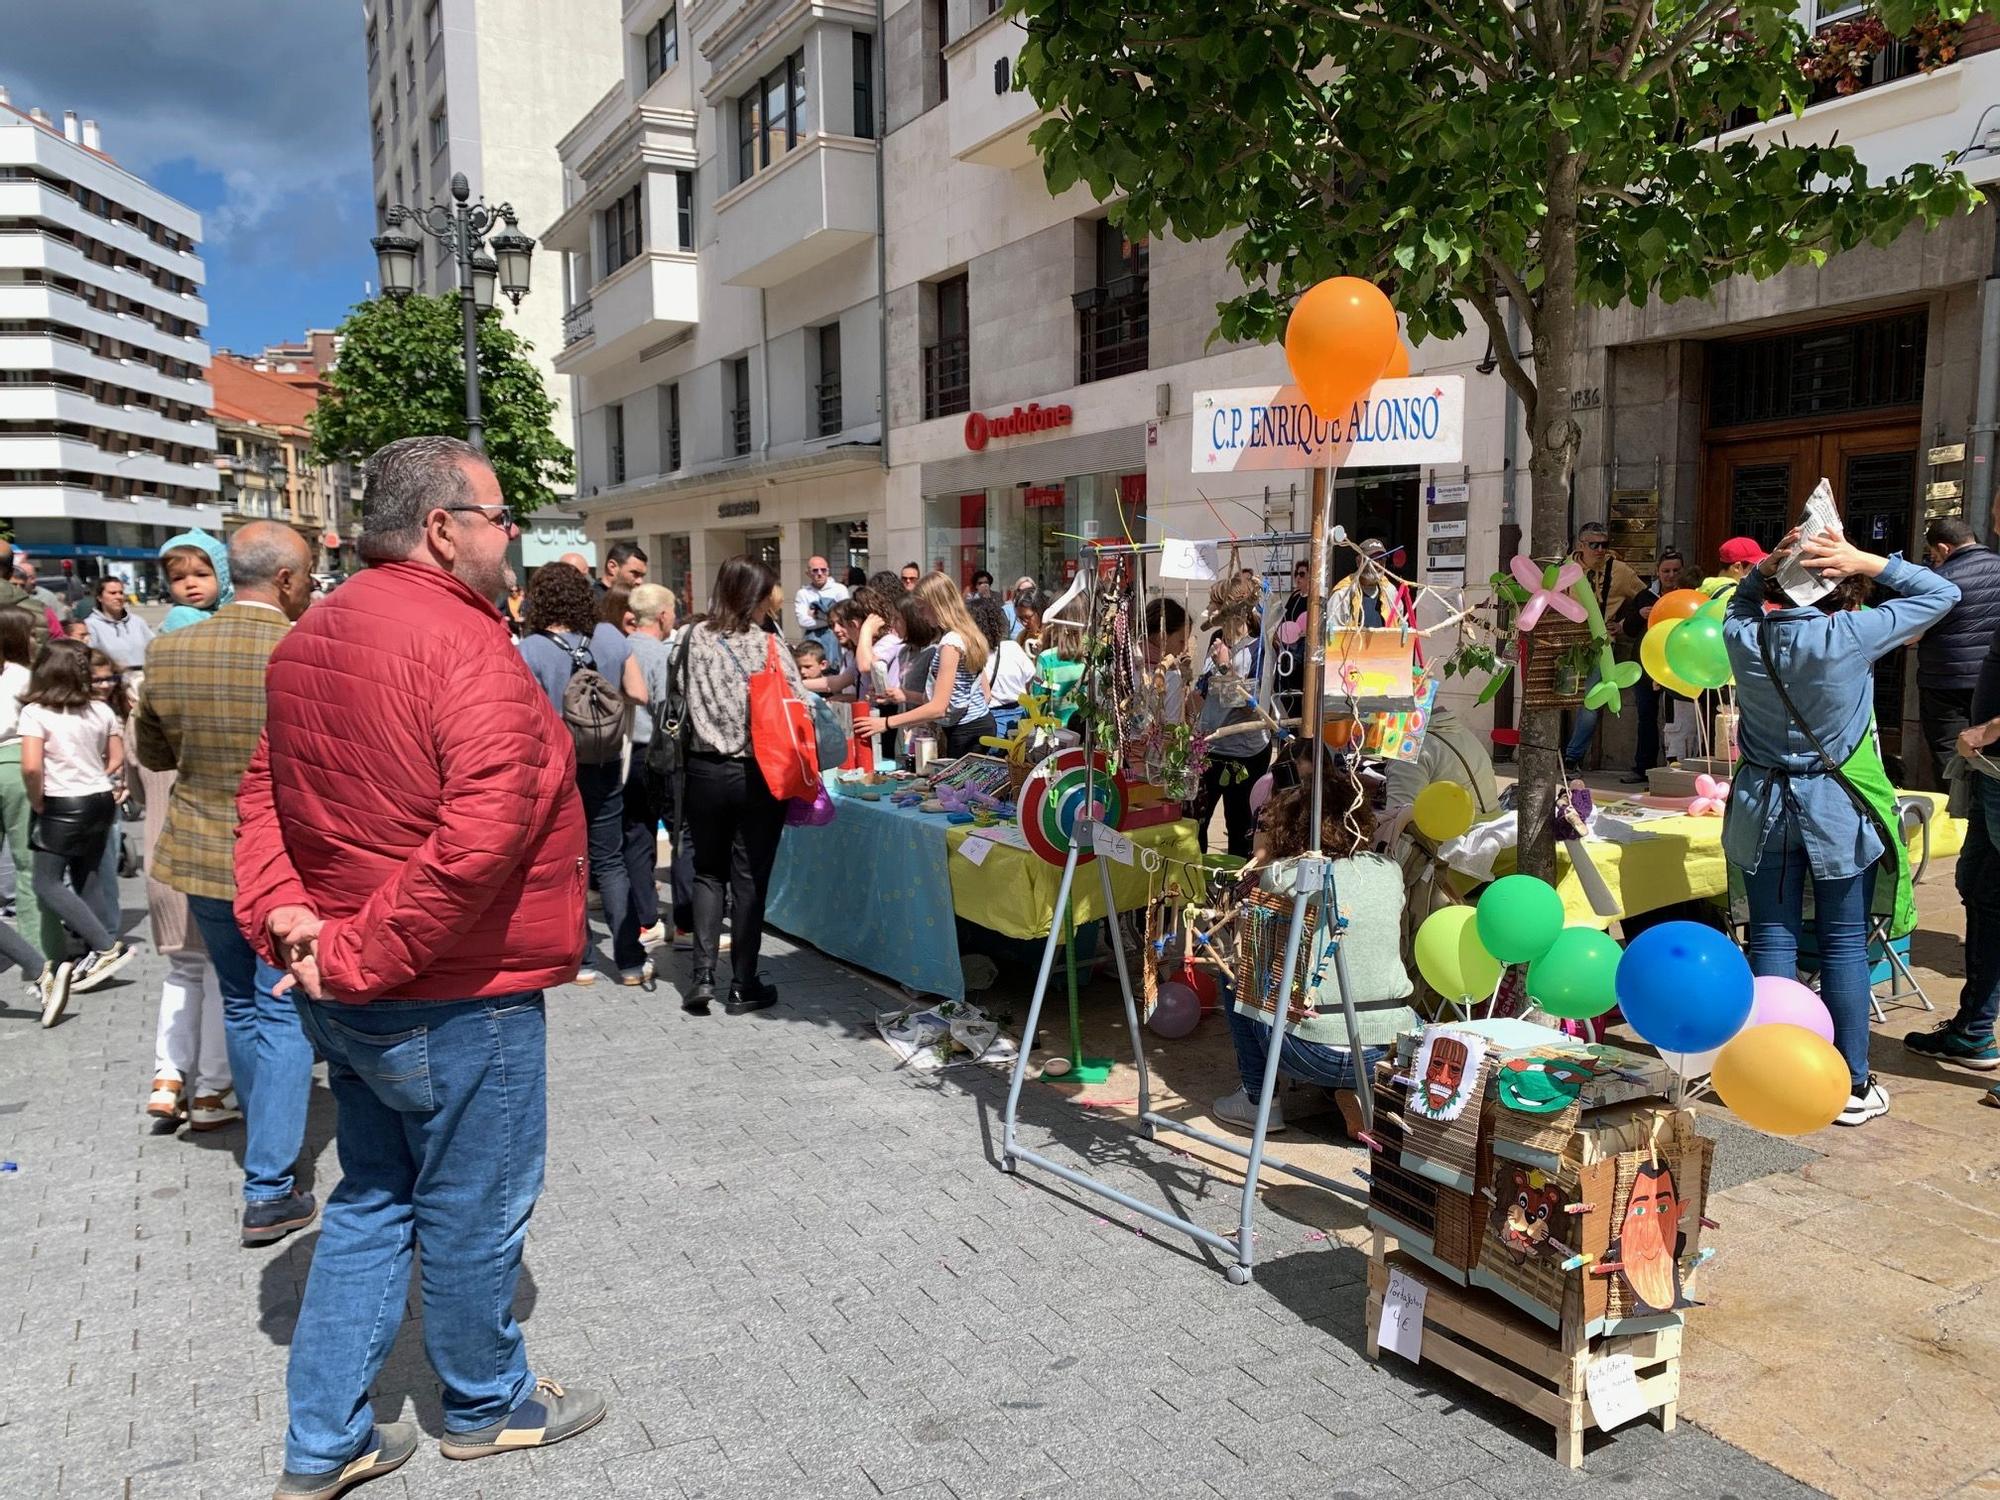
(1402, 1327)
(1112, 844)
(1195, 561)
(976, 850)
(1612, 1384)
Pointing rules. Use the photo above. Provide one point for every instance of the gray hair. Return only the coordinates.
(650, 600)
(403, 482)
(262, 550)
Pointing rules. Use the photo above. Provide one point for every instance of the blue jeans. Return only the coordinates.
(1310, 1062)
(1777, 894)
(1583, 731)
(603, 791)
(1979, 889)
(443, 1133)
(268, 1053)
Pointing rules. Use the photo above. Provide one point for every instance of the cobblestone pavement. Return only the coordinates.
(794, 1268)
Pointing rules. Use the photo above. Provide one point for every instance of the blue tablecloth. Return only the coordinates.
(872, 887)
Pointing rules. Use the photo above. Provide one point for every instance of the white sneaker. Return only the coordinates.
(94, 968)
(54, 987)
(632, 978)
(213, 1111)
(1239, 1109)
(1871, 1102)
(654, 936)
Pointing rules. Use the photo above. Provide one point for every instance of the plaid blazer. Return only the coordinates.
(201, 713)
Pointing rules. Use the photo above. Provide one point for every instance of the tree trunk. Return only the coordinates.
(1552, 443)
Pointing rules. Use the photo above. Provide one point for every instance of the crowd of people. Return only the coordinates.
(373, 827)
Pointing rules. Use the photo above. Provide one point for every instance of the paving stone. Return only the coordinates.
(790, 1265)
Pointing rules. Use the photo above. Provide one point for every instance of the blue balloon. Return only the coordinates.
(1684, 987)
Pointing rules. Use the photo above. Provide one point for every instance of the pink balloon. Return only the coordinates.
(1178, 1011)
(1290, 631)
(1787, 1002)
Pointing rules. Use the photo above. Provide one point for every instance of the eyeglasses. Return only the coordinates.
(1589, 544)
(103, 682)
(819, 570)
(502, 515)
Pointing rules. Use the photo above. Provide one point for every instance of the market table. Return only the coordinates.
(1675, 859)
(880, 887)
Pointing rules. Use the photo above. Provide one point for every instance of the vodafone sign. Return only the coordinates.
(981, 429)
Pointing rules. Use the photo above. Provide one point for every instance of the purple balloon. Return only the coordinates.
(1178, 1011)
(1789, 1003)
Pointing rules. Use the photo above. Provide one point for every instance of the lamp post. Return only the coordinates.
(466, 229)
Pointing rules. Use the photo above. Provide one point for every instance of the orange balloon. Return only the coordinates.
(1681, 604)
(1340, 337)
(1399, 363)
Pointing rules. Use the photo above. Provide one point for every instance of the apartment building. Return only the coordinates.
(720, 237)
(482, 87)
(106, 448)
(264, 456)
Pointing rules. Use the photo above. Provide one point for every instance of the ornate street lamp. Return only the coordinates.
(463, 227)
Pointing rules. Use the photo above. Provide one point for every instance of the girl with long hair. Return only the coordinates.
(955, 696)
(72, 763)
(734, 820)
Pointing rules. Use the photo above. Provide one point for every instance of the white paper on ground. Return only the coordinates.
(975, 850)
(1402, 1327)
(1612, 1383)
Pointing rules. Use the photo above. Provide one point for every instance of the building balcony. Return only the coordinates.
(24, 303)
(1112, 331)
(23, 201)
(648, 299)
(797, 213)
(31, 249)
(57, 354)
(51, 403)
(31, 453)
(48, 501)
(988, 120)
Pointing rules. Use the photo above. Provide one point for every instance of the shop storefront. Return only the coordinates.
(1021, 504)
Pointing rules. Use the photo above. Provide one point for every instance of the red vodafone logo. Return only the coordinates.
(981, 429)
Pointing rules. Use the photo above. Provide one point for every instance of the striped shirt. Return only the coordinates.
(968, 698)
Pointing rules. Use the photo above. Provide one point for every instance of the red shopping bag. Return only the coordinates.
(781, 731)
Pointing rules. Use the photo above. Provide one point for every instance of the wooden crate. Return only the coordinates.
(1478, 1338)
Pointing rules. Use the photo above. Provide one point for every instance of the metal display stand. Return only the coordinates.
(1309, 879)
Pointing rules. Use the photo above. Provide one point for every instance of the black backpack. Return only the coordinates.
(666, 751)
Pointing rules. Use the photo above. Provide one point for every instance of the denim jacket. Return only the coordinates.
(1827, 663)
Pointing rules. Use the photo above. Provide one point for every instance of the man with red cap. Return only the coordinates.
(1738, 556)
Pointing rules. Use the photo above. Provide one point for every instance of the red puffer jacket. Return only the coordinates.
(415, 789)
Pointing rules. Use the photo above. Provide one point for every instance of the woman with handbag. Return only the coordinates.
(954, 694)
(735, 816)
(1811, 802)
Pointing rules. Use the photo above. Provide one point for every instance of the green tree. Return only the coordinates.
(402, 374)
(1553, 154)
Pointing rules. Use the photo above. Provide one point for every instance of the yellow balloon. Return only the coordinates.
(1450, 956)
(1653, 656)
(1781, 1078)
(1443, 811)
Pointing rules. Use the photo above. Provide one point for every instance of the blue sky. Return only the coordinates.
(253, 112)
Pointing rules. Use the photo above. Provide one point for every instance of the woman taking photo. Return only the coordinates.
(954, 696)
(1811, 803)
(735, 821)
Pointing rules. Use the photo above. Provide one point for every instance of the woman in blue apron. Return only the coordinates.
(1811, 802)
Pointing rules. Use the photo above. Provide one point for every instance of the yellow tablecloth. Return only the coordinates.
(1014, 892)
(1681, 860)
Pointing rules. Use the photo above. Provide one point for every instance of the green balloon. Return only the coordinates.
(1578, 977)
(1716, 608)
(1697, 653)
(1519, 916)
(1451, 958)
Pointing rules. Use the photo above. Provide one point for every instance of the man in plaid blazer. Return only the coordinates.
(201, 714)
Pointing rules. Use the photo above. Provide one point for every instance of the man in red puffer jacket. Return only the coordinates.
(411, 851)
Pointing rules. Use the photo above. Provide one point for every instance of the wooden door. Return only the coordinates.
(1753, 488)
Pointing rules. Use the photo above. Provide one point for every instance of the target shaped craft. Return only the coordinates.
(1056, 795)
